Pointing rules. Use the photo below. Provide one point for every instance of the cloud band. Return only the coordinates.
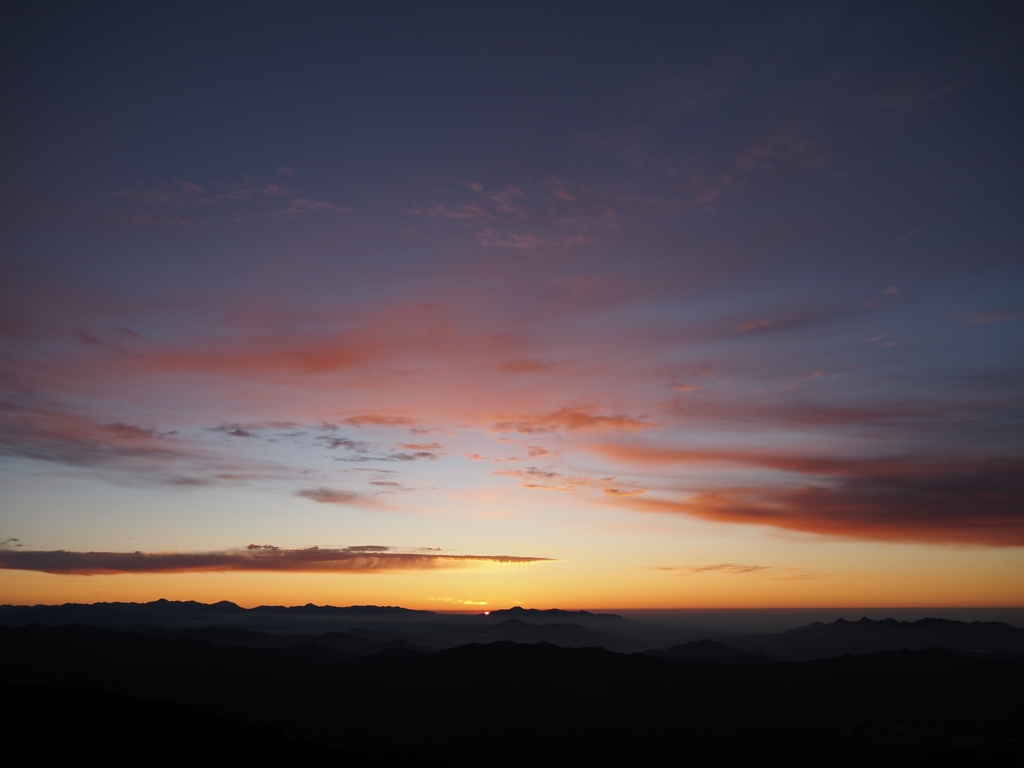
(253, 558)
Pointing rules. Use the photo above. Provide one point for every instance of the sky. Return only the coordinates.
(460, 306)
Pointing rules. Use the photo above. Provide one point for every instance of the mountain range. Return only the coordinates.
(361, 630)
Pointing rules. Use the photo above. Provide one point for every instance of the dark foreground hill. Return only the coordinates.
(708, 650)
(507, 704)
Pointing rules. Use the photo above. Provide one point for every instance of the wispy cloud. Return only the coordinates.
(524, 366)
(885, 295)
(329, 496)
(959, 503)
(186, 204)
(994, 316)
(380, 420)
(624, 492)
(543, 479)
(578, 418)
(144, 453)
(729, 568)
(360, 559)
(775, 573)
(549, 217)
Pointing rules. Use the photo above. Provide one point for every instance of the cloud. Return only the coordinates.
(727, 568)
(235, 430)
(328, 496)
(471, 212)
(365, 451)
(531, 241)
(581, 285)
(774, 573)
(751, 325)
(61, 437)
(559, 220)
(389, 484)
(507, 204)
(809, 464)
(543, 479)
(255, 355)
(379, 420)
(457, 600)
(399, 456)
(186, 204)
(559, 189)
(573, 419)
(787, 322)
(771, 153)
(799, 412)
(356, 446)
(255, 557)
(620, 492)
(524, 366)
(888, 293)
(996, 316)
(955, 502)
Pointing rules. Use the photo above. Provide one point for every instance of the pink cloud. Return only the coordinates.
(572, 419)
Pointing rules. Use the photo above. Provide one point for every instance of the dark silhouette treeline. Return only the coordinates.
(504, 704)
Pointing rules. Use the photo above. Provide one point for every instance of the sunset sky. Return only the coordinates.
(560, 305)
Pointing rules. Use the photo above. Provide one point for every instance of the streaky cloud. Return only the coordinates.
(972, 505)
(573, 419)
(329, 496)
(255, 557)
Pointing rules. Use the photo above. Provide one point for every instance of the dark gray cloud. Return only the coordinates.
(411, 455)
(361, 450)
(356, 446)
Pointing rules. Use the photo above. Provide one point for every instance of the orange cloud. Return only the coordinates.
(620, 492)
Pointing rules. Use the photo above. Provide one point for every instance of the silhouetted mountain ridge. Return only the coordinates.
(819, 640)
(365, 629)
(368, 627)
(532, 615)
